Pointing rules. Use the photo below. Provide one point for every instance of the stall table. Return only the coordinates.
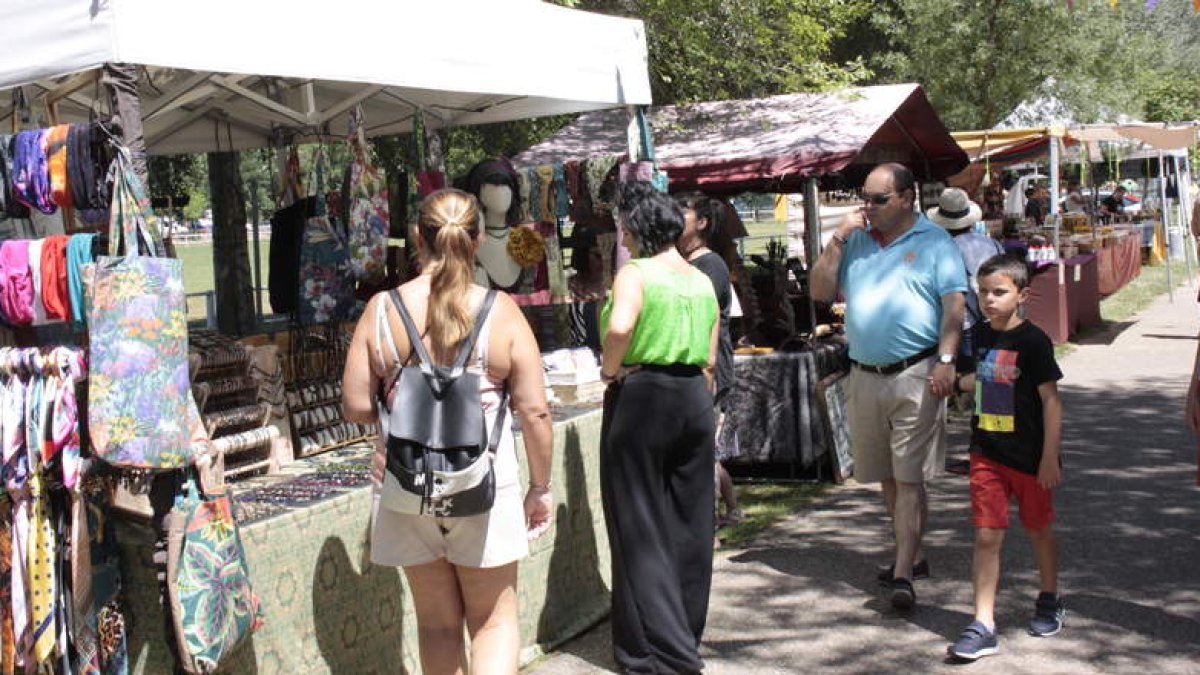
(1064, 296)
(1119, 262)
(773, 409)
(329, 610)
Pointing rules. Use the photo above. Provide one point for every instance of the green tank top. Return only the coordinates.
(678, 313)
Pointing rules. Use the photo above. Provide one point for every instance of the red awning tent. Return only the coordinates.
(774, 144)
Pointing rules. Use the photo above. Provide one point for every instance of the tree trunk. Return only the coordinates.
(231, 261)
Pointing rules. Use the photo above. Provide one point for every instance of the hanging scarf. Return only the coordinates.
(561, 197)
(79, 253)
(35, 278)
(88, 158)
(31, 179)
(56, 299)
(8, 641)
(56, 164)
(16, 284)
(9, 205)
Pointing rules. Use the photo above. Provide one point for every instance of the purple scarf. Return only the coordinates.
(31, 176)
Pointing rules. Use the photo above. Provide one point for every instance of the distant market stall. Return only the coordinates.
(802, 142)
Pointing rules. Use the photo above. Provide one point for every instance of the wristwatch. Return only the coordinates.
(946, 359)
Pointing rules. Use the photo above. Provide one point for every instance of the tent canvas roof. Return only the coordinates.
(230, 74)
(773, 144)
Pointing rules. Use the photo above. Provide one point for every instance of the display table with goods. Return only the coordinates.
(775, 414)
(327, 609)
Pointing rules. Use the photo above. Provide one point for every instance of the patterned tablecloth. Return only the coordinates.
(329, 610)
(773, 408)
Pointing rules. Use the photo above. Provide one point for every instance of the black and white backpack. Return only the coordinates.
(439, 455)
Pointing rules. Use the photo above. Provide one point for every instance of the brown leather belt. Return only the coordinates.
(901, 365)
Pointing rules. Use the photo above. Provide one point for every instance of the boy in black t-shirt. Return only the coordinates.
(1015, 436)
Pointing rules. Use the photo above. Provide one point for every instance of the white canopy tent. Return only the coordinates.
(232, 74)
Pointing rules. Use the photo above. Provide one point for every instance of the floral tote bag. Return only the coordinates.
(141, 413)
(326, 285)
(368, 221)
(213, 605)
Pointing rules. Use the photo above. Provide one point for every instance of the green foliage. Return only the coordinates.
(703, 50)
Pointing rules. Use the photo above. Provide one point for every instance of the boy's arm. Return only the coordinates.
(964, 382)
(1050, 471)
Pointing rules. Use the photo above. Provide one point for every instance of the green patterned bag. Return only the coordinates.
(208, 581)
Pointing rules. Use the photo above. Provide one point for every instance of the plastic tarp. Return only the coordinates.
(227, 74)
(773, 144)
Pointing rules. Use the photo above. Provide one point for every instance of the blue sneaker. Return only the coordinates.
(1048, 615)
(975, 641)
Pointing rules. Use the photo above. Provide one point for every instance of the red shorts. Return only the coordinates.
(994, 485)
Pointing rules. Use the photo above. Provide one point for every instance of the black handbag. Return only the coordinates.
(439, 455)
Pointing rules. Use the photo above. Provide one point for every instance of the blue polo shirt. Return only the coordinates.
(894, 294)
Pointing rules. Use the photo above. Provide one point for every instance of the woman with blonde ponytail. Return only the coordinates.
(462, 571)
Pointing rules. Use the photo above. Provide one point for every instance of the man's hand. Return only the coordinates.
(1049, 474)
(941, 380)
(854, 220)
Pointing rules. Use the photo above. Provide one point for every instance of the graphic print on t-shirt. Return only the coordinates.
(995, 390)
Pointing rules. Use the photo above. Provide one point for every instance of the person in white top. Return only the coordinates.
(462, 571)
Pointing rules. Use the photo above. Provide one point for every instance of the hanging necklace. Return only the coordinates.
(497, 232)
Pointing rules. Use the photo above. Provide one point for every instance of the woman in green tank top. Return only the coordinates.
(660, 340)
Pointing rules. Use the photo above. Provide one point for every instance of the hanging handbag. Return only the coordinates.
(367, 221)
(326, 287)
(141, 413)
(213, 604)
(439, 455)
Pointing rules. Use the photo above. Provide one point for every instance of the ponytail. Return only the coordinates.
(448, 223)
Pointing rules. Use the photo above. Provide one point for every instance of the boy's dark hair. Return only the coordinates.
(1030, 192)
(706, 208)
(1008, 265)
(652, 217)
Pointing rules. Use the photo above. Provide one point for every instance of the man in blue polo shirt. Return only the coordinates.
(903, 281)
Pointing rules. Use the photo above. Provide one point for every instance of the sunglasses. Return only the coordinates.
(877, 199)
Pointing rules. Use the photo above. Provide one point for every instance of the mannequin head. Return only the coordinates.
(495, 198)
(496, 173)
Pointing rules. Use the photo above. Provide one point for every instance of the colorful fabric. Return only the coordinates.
(326, 289)
(35, 278)
(16, 283)
(369, 222)
(214, 604)
(30, 176)
(56, 164)
(55, 293)
(139, 390)
(42, 552)
(79, 253)
(8, 642)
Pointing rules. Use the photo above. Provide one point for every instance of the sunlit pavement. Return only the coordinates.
(803, 598)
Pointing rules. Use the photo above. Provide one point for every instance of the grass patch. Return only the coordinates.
(1139, 293)
(198, 272)
(766, 504)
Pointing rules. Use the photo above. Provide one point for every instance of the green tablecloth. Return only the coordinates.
(329, 610)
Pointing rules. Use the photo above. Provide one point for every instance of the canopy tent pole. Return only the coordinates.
(1054, 161)
(1181, 209)
(122, 82)
(1185, 183)
(812, 240)
(1162, 195)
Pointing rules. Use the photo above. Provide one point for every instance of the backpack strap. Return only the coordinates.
(464, 350)
(498, 425)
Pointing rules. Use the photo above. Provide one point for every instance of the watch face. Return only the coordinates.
(946, 358)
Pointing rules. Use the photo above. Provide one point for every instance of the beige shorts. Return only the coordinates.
(897, 428)
(490, 539)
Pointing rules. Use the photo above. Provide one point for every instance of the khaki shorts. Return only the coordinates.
(897, 428)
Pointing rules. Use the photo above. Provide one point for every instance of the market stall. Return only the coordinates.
(267, 404)
(788, 143)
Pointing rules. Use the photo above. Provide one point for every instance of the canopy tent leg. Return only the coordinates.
(812, 243)
(1181, 211)
(1162, 195)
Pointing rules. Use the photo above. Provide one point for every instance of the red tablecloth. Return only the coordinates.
(1064, 296)
(1119, 263)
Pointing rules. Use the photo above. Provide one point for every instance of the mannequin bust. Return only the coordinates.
(493, 265)
(494, 184)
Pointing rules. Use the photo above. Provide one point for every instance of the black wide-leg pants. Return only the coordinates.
(656, 478)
